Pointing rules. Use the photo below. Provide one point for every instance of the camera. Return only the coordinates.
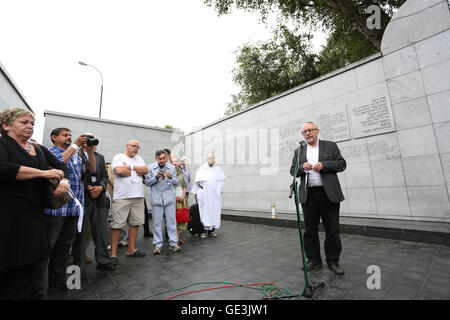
(91, 140)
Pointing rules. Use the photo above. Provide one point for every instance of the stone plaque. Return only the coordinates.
(333, 126)
(372, 118)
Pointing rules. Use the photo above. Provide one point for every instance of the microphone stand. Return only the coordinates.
(309, 289)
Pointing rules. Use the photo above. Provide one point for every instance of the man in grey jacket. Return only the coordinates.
(320, 196)
(161, 179)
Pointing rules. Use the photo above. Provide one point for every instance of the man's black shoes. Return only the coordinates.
(312, 266)
(335, 268)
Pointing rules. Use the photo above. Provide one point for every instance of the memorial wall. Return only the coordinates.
(389, 114)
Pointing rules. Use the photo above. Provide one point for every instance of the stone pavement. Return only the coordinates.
(246, 253)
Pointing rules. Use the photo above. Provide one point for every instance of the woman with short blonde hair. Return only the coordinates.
(23, 169)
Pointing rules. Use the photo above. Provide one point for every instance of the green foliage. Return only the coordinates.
(265, 69)
(168, 126)
(269, 68)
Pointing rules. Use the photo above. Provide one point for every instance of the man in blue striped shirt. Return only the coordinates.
(61, 223)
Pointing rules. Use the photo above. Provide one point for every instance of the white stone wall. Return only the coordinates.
(389, 114)
(113, 135)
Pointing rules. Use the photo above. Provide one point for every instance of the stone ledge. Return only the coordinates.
(421, 231)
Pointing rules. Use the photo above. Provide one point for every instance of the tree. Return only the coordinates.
(266, 69)
(329, 13)
(269, 68)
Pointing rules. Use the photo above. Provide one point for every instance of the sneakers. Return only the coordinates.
(157, 250)
(175, 248)
(122, 243)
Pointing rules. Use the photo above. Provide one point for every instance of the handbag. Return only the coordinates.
(182, 215)
(50, 200)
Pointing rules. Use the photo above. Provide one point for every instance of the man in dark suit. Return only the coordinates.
(95, 185)
(320, 195)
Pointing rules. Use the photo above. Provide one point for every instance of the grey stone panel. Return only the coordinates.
(406, 87)
(359, 176)
(362, 201)
(430, 202)
(383, 147)
(392, 202)
(322, 91)
(423, 171)
(445, 160)
(388, 173)
(436, 77)
(442, 131)
(370, 74)
(412, 113)
(407, 26)
(439, 104)
(400, 62)
(417, 141)
(434, 49)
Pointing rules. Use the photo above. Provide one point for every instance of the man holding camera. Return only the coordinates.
(161, 179)
(61, 224)
(95, 184)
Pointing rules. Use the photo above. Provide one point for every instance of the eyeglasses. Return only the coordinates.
(134, 146)
(308, 131)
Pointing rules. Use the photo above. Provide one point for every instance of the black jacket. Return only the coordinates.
(99, 178)
(332, 161)
(23, 237)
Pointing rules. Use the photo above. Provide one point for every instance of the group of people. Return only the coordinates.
(37, 241)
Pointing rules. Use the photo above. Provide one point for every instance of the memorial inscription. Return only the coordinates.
(372, 118)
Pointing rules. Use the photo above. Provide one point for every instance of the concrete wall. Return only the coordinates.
(389, 114)
(114, 135)
(10, 96)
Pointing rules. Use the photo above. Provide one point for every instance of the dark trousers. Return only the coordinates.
(60, 234)
(97, 216)
(24, 282)
(317, 207)
(146, 218)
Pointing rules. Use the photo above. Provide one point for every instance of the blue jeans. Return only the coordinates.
(158, 212)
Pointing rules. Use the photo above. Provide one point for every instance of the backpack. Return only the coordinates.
(195, 225)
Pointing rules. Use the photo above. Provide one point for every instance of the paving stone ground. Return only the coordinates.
(249, 253)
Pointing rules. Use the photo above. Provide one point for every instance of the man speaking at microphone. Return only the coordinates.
(320, 195)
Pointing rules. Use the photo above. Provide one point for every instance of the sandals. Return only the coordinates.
(136, 254)
(180, 241)
(212, 234)
(203, 236)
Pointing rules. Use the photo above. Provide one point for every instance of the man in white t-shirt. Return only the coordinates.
(128, 199)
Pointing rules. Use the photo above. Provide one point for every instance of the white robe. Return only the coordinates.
(210, 196)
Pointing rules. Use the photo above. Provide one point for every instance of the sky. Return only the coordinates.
(163, 62)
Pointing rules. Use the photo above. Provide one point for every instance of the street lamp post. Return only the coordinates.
(101, 90)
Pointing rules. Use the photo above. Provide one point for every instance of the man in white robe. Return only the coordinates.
(208, 190)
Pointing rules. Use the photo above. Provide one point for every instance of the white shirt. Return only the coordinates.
(312, 156)
(127, 187)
